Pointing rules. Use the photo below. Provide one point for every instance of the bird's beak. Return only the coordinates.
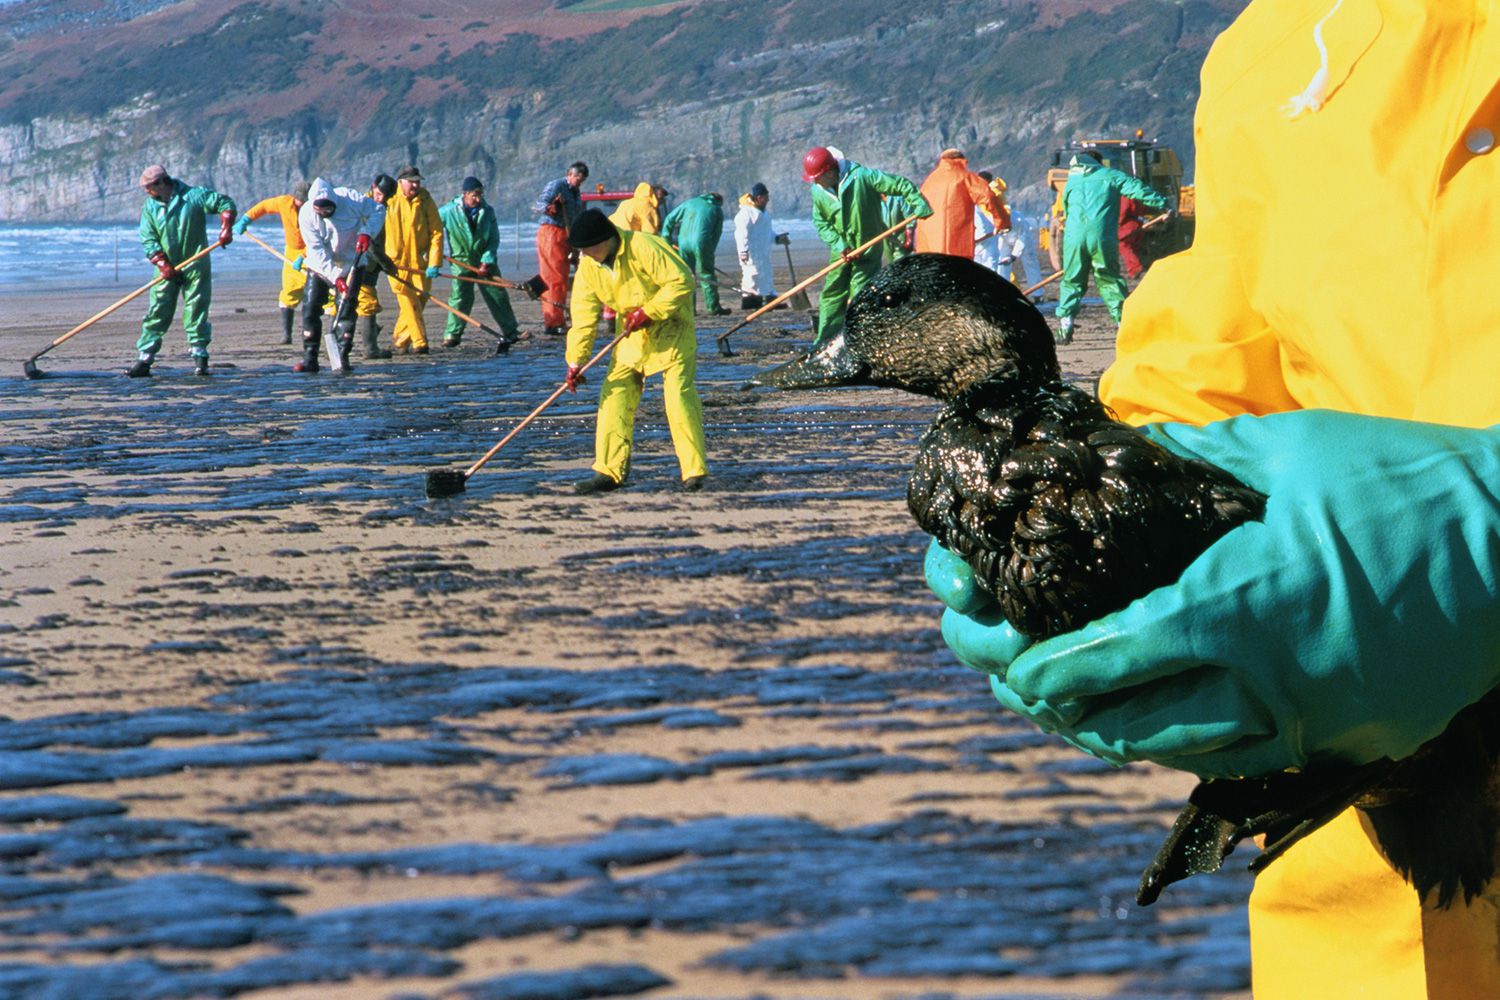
(829, 364)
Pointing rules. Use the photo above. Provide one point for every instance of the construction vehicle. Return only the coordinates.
(1140, 157)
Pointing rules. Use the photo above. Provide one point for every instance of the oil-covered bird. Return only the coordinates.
(1065, 514)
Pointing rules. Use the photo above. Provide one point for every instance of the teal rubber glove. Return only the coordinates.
(1351, 624)
(241, 225)
(297, 262)
(432, 272)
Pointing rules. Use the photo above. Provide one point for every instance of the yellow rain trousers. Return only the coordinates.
(1344, 258)
(645, 272)
(414, 241)
(283, 207)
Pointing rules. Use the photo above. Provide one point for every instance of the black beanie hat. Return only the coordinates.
(591, 228)
(385, 184)
(472, 184)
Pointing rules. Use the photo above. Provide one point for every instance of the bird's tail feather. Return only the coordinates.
(1283, 807)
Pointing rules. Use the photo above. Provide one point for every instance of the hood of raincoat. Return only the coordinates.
(1080, 164)
(319, 189)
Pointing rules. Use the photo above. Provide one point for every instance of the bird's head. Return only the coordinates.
(932, 324)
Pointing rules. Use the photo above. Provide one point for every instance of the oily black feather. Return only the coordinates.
(1065, 514)
(1437, 813)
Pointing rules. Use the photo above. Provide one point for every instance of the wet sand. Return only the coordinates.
(275, 724)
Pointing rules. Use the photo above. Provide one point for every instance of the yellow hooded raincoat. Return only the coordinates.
(645, 272)
(1388, 309)
(639, 212)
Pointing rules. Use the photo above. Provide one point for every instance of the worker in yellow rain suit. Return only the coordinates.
(640, 212)
(414, 243)
(650, 289)
(1328, 338)
(285, 207)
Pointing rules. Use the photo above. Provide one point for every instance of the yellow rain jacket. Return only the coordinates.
(414, 241)
(647, 273)
(640, 212)
(1389, 308)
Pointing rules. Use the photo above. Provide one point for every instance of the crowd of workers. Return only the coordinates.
(336, 240)
(641, 267)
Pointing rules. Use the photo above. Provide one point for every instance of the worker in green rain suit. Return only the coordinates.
(1091, 208)
(896, 245)
(474, 238)
(645, 283)
(847, 213)
(172, 230)
(694, 228)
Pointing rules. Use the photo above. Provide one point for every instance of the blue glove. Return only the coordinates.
(242, 225)
(1352, 623)
(297, 263)
(432, 272)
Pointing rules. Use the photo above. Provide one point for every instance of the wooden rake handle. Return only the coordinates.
(133, 295)
(537, 412)
(496, 282)
(1058, 274)
(283, 257)
(443, 305)
(872, 241)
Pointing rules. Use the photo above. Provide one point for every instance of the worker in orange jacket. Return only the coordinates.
(953, 191)
(285, 207)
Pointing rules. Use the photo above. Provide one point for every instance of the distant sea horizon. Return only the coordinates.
(51, 256)
(109, 253)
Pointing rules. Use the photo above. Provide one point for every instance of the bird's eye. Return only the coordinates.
(892, 299)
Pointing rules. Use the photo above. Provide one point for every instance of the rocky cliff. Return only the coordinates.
(697, 95)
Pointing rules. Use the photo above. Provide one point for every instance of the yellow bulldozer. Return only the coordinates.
(1146, 159)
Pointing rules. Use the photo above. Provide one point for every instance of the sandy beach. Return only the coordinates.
(275, 724)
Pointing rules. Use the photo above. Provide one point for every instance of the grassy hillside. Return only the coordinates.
(697, 94)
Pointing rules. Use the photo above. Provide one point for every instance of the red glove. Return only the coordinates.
(340, 285)
(636, 319)
(168, 272)
(226, 227)
(361, 242)
(574, 378)
(484, 271)
(553, 208)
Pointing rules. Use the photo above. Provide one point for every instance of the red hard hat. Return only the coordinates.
(817, 162)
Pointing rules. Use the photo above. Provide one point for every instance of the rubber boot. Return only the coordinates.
(346, 344)
(141, 369)
(309, 362)
(371, 333)
(200, 364)
(287, 318)
(1064, 334)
